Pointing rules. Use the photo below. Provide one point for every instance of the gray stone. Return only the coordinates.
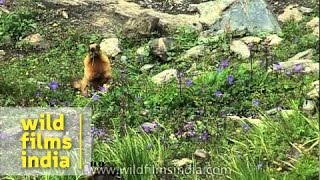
(165, 76)
(195, 52)
(110, 47)
(291, 12)
(201, 153)
(307, 54)
(146, 67)
(240, 48)
(144, 25)
(305, 10)
(254, 15)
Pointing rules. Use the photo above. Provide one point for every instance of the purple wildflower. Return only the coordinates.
(218, 94)
(38, 94)
(256, 102)
(103, 89)
(277, 67)
(246, 127)
(230, 79)
(95, 97)
(189, 82)
(298, 68)
(53, 85)
(2, 2)
(53, 102)
(205, 136)
(148, 127)
(224, 63)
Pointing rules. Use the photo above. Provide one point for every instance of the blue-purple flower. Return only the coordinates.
(189, 82)
(298, 68)
(256, 102)
(95, 97)
(230, 79)
(246, 127)
(224, 63)
(205, 136)
(53, 102)
(218, 94)
(38, 94)
(53, 85)
(277, 67)
(2, 2)
(149, 127)
(103, 89)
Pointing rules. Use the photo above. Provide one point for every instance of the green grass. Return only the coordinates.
(281, 146)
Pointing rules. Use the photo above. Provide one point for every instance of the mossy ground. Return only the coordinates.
(284, 147)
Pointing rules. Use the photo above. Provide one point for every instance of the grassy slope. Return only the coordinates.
(134, 100)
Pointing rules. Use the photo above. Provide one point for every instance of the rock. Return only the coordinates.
(123, 59)
(291, 12)
(309, 106)
(313, 23)
(146, 67)
(211, 11)
(2, 9)
(33, 39)
(142, 26)
(160, 47)
(253, 15)
(14, 132)
(181, 162)
(65, 14)
(143, 51)
(2, 53)
(273, 40)
(307, 54)
(67, 2)
(165, 76)
(308, 66)
(251, 39)
(168, 22)
(36, 40)
(274, 111)
(240, 48)
(201, 153)
(314, 93)
(110, 47)
(305, 10)
(195, 52)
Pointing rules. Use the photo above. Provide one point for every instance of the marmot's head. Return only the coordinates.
(94, 50)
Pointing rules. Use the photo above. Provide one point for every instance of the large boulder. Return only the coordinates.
(254, 16)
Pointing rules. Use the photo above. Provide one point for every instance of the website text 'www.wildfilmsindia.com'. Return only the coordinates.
(151, 169)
